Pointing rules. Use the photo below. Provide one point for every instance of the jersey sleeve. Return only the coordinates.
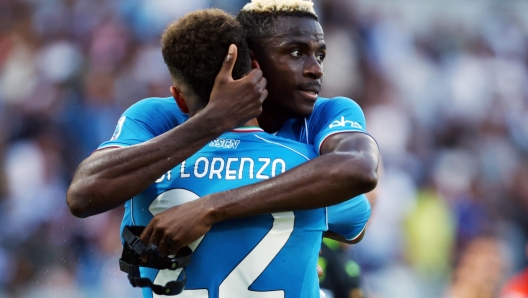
(336, 115)
(143, 121)
(349, 218)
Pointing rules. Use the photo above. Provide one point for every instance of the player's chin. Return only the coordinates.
(300, 113)
(298, 107)
(301, 106)
(305, 109)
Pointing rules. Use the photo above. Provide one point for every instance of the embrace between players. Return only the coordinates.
(207, 160)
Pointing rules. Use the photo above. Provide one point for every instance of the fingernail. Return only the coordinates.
(228, 57)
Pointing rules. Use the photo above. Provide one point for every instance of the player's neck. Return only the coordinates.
(271, 122)
(252, 122)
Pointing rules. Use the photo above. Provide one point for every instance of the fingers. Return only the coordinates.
(147, 232)
(164, 246)
(319, 271)
(264, 95)
(253, 76)
(261, 85)
(255, 64)
(154, 235)
(168, 247)
(229, 62)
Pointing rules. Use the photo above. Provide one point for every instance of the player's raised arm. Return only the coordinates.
(110, 177)
(347, 168)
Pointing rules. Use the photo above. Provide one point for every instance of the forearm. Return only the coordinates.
(110, 177)
(305, 187)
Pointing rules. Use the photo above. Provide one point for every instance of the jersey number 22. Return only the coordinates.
(238, 281)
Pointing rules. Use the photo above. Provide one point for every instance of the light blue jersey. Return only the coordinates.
(270, 255)
(329, 117)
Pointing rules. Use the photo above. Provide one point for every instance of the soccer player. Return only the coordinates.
(287, 40)
(288, 43)
(271, 255)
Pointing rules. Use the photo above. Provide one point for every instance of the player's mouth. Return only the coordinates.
(311, 91)
(309, 95)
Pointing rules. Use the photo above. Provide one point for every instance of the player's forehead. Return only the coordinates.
(289, 28)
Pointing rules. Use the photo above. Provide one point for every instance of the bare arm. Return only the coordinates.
(110, 177)
(347, 168)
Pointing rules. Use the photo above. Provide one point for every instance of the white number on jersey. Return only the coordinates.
(237, 283)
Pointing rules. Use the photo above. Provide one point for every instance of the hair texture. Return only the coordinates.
(195, 46)
(258, 16)
(280, 5)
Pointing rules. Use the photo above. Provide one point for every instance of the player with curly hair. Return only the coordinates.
(287, 41)
(290, 51)
(271, 254)
(194, 53)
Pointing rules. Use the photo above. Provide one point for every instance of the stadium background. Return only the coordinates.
(444, 86)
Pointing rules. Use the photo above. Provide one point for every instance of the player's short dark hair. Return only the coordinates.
(194, 48)
(258, 17)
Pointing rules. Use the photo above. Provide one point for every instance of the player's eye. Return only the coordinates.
(320, 57)
(296, 53)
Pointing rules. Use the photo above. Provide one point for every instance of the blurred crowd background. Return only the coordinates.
(444, 86)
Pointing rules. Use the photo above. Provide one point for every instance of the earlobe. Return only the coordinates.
(180, 101)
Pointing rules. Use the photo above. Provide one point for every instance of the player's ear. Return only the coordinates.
(180, 101)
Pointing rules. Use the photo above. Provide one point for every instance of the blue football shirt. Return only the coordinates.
(236, 159)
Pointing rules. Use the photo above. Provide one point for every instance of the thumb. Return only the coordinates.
(229, 62)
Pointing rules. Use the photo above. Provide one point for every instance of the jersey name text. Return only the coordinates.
(231, 168)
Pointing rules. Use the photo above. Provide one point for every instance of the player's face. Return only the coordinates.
(292, 62)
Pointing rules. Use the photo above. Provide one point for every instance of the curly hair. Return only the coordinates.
(258, 16)
(194, 48)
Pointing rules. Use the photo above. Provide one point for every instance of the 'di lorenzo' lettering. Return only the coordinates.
(229, 168)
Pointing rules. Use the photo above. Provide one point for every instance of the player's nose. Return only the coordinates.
(313, 69)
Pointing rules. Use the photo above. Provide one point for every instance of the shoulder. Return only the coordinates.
(155, 104)
(340, 109)
(335, 102)
(156, 109)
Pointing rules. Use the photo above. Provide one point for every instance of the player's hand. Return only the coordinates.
(234, 102)
(177, 227)
(319, 268)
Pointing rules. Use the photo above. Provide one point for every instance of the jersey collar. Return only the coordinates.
(248, 129)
